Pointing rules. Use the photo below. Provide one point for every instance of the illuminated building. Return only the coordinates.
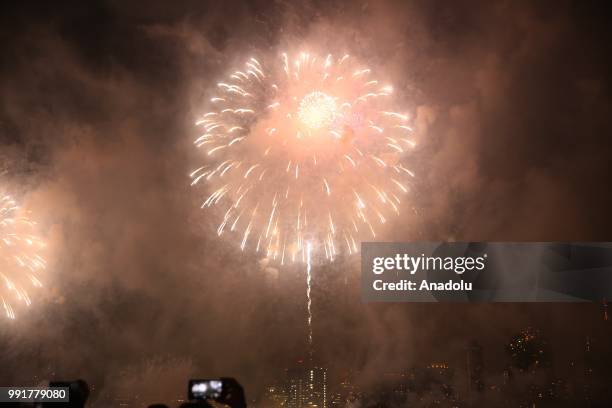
(276, 395)
(307, 387)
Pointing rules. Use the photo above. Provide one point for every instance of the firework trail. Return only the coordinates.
(308, 288)
(20, 262)
(303, 157)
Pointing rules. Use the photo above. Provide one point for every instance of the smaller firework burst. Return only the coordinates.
(21, 264)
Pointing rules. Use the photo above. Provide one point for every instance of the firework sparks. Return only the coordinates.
(317, 110)
(21, 262)
(304, 158)
(302, 155)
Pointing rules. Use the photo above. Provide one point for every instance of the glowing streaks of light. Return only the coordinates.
(327, 189)
(20, 262)
(253, 167)
(326, 123)
(395, 115)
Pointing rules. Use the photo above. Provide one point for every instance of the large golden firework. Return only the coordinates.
(303, 154)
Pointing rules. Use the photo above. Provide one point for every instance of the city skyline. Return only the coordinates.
(528, 378)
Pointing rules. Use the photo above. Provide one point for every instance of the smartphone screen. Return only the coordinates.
(205, 389)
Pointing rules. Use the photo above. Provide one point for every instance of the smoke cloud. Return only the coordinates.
(511, 103)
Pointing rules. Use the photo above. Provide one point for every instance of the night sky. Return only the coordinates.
(512, 103)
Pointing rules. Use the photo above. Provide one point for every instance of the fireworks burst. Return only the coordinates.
(21, 264)
(303, 155)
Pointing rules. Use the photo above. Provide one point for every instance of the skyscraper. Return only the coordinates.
(296, 386)
(317, 387)
(307, 387)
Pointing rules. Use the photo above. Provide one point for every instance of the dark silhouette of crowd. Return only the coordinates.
(232, 396)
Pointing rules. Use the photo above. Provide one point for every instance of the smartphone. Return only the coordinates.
(205, 389)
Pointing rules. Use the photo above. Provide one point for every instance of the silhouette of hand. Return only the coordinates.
(233, 394)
